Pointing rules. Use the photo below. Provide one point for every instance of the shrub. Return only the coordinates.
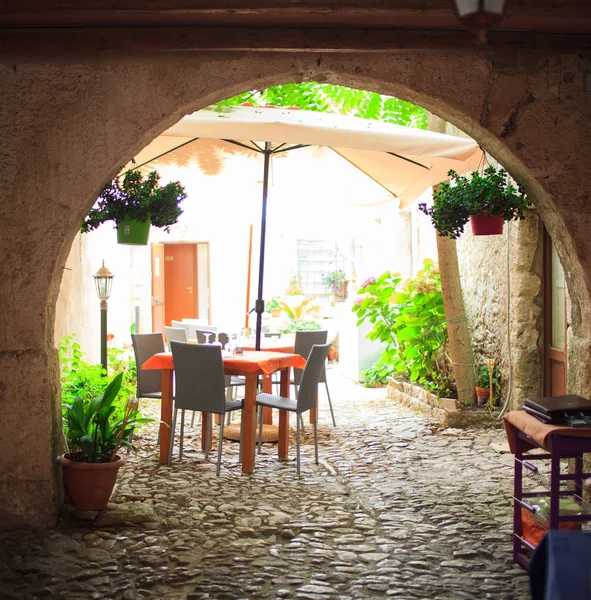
(408, 317)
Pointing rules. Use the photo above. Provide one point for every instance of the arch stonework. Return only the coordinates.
(67, 125)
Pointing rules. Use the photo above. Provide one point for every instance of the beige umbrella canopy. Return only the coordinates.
(404, 161)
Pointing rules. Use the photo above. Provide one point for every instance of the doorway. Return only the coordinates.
(555, 323)
(180, 283)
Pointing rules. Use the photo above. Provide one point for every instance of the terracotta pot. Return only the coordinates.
(486, 224)
(89, 485)
(482, 394)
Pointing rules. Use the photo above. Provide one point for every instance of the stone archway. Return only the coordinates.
(68, 125)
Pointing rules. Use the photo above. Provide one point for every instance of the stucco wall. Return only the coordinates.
(68, 124)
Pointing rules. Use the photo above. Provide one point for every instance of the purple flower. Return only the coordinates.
(368, 281)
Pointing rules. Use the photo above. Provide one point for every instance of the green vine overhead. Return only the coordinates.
(488, 193)
(133, 197)
(325, 97)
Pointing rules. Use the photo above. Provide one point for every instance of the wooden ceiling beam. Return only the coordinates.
(176, 39)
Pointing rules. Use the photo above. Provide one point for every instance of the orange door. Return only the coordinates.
(180, 282)
(555, 323)
(157, 287)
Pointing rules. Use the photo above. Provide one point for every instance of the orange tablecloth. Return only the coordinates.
(251, 365)
(537, 431)
(250, 362)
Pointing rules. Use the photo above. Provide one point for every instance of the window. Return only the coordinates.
(316, 258)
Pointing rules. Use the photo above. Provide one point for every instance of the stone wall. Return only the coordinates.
(442, 411)
(502, 284)
(69, 123)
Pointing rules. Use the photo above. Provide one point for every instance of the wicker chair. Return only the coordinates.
(304, 341)
(307, 394)
(145, 345)
(177, 334)
(200, 386)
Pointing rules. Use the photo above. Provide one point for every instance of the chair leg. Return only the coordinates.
(261, 411)
(208, 428)
(301, 420)
(241, 435)
(316, 436)
(193, 420)
(298, 443)
(170, 446)
(182, 434)
(220, 442)
(334, 423)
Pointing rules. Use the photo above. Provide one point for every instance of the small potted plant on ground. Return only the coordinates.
(94, 434)
(484, 382)
(487, 200)
(133, 203)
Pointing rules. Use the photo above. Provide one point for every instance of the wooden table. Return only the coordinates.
(249, 365)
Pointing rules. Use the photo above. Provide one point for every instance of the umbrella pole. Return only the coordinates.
(260, 304)
(248, 276)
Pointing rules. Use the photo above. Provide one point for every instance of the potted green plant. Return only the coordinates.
(336, 283)
(486, 199)
(272, 306)
(300, 315)
(133, 203)
(484, 382)
(94, 433)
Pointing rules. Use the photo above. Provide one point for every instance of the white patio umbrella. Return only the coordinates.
(403, 160)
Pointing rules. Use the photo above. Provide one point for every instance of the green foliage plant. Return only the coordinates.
(488, 193)
(329, 98)
(300, 315)
(408, 317)
(81, 379)
(272, 304)
(133, 197)
(94, 431)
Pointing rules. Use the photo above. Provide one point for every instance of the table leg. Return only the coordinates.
(284, 416)
(204, 421)
(165, 415)
(249, 427)
(268, 389)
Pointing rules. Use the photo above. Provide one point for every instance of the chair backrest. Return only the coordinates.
(196, 322)
(304, 340)
(199, 377)
(193, 329)
(203, 336)
(178, 334)
(223, 338)
(145, 345)
(308, 388)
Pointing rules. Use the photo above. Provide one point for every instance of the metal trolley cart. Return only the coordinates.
(558, 443)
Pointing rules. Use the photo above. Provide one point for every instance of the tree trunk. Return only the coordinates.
(460, 346)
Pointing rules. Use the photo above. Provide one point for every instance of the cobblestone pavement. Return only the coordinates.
(396, 508)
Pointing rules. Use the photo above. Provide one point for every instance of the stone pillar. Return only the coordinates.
(526, 316)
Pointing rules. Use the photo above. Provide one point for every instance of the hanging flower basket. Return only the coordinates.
(134, 202)
(482, 195)
(483, 224)
(131, 232)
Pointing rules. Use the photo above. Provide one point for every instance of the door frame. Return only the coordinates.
(551, 354)
(199, 273)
